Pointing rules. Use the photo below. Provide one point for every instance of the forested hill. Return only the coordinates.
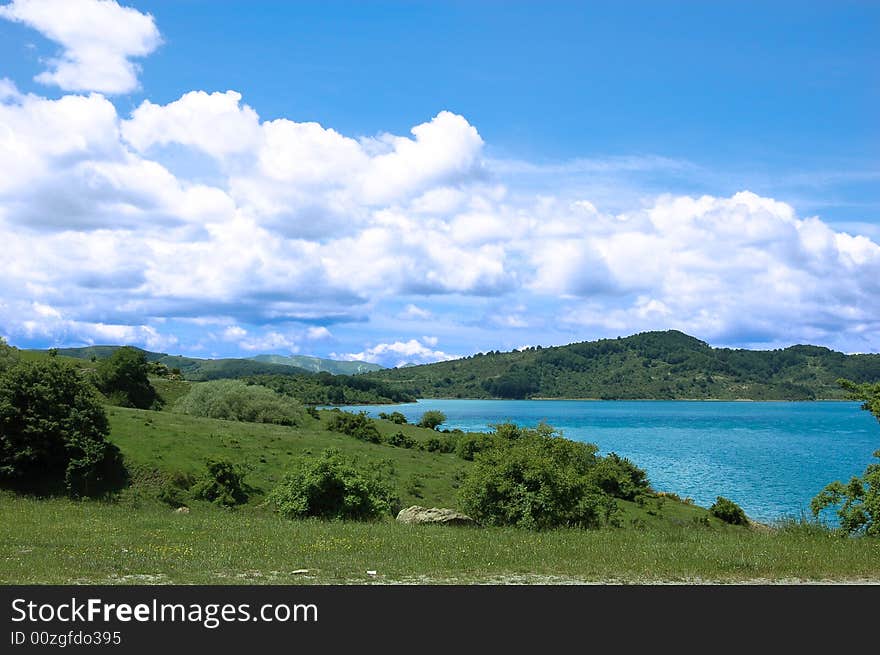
(660, 365)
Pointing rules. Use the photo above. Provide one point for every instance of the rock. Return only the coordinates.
(417, 515)
(182, 510)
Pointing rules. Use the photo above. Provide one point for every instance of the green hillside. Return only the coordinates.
(199, 369)
(650, 365)
(318, 365)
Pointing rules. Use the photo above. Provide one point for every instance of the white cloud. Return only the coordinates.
(234, 333)
(415, 313)
(98, 39)
(271, 341)
(399, 353)
(317, 333)
(310, 226)
(214, 123)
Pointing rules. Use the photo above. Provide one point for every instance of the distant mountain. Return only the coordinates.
(318, 365)
(192, 368)
(198, 369)
(650, 365)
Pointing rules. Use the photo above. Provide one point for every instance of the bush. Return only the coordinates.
(858, 503)
(400, 440)
(360, 426)
(233, 400)
(334, 487)
(173, 490)
(619, 477)
(468, 445)
(223, 484)
(394, 417)
(537, 480)
(122, 377)
(53, 432)
(432, 419)
(436, 445)
(8, 355)
(728, 511)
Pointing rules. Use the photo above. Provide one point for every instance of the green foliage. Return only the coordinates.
(233, 400)
(53, 432)
(334, 487)
(8, 355)
(123, 379)
(394, 417)
(432, 419)
(223, 484)
(400, 440)
(868, 393)
(619, 477)
(469, 444)
(858, 502)
(648, 365)
(438, 445)
(360, 426)
(728, 511)
(174, 489)
(534, 479)
(326, 389)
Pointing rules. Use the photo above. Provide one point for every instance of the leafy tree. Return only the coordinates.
(233, 400)
(619, 477)
(400, 440)
(537, 479)
(432, 419)
(728, 511)
(858, 502)
(394, 417)
(334, 487)
(222, 484)
(122, 377)
(868, 393)
(360, 426)
(8, 355)
(53, 432)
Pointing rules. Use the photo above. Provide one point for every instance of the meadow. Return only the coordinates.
(135, 538)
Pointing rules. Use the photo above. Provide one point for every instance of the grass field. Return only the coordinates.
(62, 541)
(134, 538)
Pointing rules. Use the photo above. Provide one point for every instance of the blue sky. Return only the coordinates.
(602, 168)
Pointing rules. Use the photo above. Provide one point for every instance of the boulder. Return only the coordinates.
(435, 515)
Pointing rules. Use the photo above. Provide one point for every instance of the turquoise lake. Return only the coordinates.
(770, 457)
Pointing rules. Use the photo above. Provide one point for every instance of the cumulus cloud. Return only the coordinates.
(400, 353)
(98, 39)
(309, 227)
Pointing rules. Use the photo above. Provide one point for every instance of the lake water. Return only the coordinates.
(770, 457)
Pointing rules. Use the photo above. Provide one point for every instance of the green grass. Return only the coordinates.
(134, 538)
(169, 442)
(62, 541)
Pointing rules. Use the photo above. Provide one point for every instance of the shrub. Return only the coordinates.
(858, 503)
(400, 440)
(122, 377)
(360, 426)
(619, 477)
(53, 432)
(728, 511)
(468, 445)
(8, 355)
(222, 484)
(436, 445)
(537, 480)
(173, 490)
(233, 400)
(394, 417)
(432, 419)
(334, 487)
